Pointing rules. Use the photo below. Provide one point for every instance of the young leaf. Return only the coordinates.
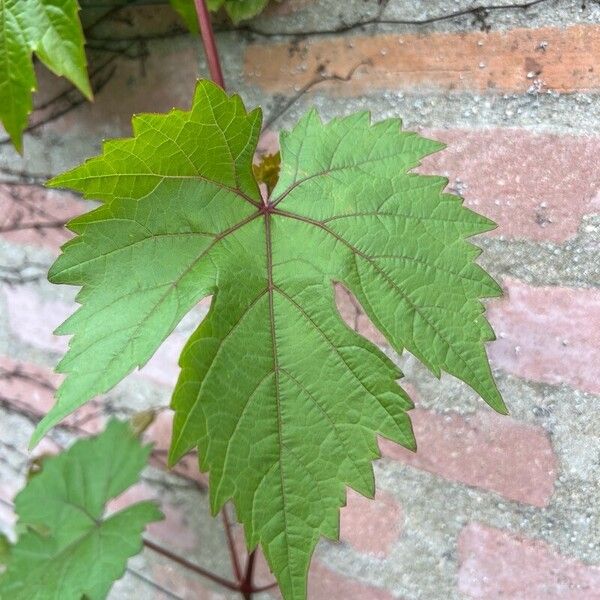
(282, 399)
(52, 30)
(267, 171)
(69, 550)
(238, 10)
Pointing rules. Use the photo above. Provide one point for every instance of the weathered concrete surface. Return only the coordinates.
(490, 507)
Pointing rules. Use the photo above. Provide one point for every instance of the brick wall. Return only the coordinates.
(490, 507)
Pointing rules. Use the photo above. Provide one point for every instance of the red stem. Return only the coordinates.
(230, 542)
(191, 566)
(208, 41)
(246, 585)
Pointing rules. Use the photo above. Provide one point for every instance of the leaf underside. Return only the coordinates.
(50, 29)
(69, 550)
(282, 399)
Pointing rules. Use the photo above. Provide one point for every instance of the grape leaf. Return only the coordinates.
(52, 30)
(69, 550)
(238, 10)
(282, 399)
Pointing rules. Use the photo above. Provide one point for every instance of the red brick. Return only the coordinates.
(485, 450)
(535, 186)
(325, 584)
(174, 530)
(27, 204)
(522, 197)
(548, 334)
(180, 581)
(371, 526)
(33, 318)
(499, 61)
(498, 564)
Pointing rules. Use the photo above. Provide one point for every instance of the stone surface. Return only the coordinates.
(371, 525)
(484, 450)
(546, 183)
(557, 59)
(490, 507)
(548, 334)
(498, 564)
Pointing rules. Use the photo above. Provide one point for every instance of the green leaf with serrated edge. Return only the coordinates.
(50, 29)
(281, 398)
(71, 549)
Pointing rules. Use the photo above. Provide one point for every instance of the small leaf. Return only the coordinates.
(282, 399)
(70, 549)
(52, 30)
(267, 170)
(140, 421)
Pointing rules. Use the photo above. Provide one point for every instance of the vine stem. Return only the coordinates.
(191, 566)
(235, 563)
(246, 585)
(208, 41)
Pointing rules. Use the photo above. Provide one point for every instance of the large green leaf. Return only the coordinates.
(70, 550)
(52, 30)
(282, 399)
